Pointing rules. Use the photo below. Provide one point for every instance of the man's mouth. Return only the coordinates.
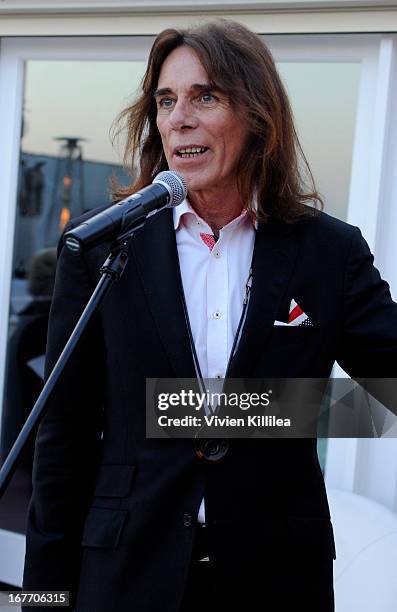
(187, 152)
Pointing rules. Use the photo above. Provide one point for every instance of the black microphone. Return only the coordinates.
(167, 190)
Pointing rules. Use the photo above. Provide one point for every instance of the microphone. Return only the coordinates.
(167, 190)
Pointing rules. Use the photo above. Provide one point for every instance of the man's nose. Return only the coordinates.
(183, 115)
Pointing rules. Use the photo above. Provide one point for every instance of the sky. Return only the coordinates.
(82, 98)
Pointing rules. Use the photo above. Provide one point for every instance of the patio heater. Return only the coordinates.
(68, 189)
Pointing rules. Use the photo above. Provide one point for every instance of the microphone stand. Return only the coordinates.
(111, 271)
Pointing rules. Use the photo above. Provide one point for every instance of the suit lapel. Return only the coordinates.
(274, 259)
(155, 251)
(156, 255)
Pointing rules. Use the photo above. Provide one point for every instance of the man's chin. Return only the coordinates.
(197, 179)
(197, 183)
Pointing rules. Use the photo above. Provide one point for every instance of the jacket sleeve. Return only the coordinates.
(67, 448)
(368, 346)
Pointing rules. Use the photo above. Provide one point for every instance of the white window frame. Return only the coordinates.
(352, 464)
(356, 465)
(372, 200)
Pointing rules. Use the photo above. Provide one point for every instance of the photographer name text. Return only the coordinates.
(226, 421)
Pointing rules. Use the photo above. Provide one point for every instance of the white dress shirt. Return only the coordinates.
(214, 276)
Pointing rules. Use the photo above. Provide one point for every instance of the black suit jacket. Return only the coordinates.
(112, 513)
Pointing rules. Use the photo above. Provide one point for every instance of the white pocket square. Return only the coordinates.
(296, 317)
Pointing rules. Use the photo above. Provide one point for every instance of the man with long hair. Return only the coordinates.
(134, 524)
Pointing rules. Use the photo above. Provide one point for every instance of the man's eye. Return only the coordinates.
(207, 98)
(165, 102)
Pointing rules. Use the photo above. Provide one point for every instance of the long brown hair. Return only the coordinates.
(238, 63)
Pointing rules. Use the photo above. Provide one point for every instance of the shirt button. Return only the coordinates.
(217, 254)
(187, 520)
(218, 376)
(216, 314)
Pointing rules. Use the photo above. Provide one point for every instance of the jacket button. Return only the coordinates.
(211, 449)
(187, 520)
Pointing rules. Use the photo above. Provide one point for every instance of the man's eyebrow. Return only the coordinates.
(163, 91)
(202, 87)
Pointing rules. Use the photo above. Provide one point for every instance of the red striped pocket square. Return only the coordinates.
(296, 317)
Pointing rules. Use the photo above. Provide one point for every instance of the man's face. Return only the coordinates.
(192, 116)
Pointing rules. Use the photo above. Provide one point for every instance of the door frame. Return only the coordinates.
(372, 198)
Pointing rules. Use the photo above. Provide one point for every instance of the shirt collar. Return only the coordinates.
(185, 208)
